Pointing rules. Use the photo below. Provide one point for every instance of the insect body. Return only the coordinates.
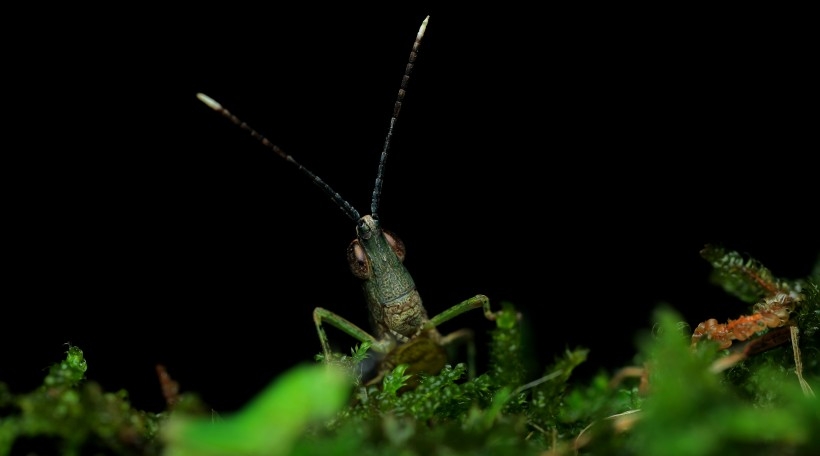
(404, 332)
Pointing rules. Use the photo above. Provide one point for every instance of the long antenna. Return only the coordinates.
(343, 205)
(377, 189)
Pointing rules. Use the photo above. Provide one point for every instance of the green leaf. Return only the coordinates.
(271, 423)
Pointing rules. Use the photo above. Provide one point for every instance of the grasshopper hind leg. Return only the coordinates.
(464, 336)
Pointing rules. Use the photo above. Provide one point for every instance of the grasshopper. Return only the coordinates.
(404, 334)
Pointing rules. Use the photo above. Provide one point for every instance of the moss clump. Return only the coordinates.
(68, 415)
(682, 405)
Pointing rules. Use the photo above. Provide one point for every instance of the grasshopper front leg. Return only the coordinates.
(320, 314)
(421, 349)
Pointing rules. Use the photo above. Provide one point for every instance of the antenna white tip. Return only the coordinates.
(209, 101)
(423, 27)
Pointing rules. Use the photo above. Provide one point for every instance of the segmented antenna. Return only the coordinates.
(343, 205)
(377, 189)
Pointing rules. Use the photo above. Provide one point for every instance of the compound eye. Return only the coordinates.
(358, 261)
(396, 244)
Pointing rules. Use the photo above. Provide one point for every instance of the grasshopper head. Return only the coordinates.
(372, 242)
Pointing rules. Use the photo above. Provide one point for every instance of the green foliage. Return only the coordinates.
(742, 277)
(270, 424)
(69, 372)
(394, 381)
(680, 406)
(546, 405)
(75, 417)
(348, 364)
(693, 412)
(507, 366)
(808, 314)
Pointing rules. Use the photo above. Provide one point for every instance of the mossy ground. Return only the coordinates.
(678, 406)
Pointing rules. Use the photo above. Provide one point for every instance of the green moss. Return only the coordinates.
(73, 416)
(754, 407)
(693, 412)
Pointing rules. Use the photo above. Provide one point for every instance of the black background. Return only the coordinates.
(571, 162)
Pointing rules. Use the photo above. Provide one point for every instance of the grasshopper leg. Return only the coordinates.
(464, 336)
(323, 315)
(458, 309)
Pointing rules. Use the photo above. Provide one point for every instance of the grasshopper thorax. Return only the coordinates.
(376, 256)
